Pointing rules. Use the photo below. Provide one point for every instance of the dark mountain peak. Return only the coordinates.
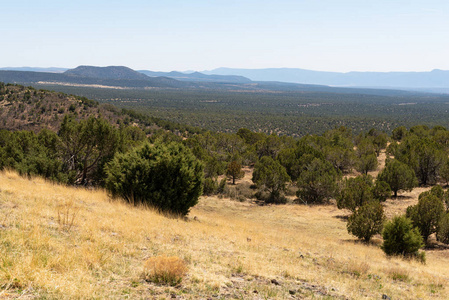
(111, 72)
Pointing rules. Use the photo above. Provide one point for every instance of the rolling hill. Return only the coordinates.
(112, 72)
(26, 108)
(28, 77)
(125, 78)
(197, 76)
(434, 80)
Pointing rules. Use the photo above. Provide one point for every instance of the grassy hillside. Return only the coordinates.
(233, 250)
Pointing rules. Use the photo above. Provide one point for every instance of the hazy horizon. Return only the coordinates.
(191, 71)
(202, 35)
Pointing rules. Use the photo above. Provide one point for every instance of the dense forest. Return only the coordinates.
(293, 113)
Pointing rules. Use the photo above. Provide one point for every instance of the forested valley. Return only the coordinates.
(281, 111)
(143, 157)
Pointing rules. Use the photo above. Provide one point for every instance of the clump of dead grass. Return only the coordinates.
(165, 270)
(67, 210)
(398, 274)
(357, 268)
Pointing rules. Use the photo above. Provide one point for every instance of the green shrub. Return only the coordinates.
(167, 177)
(276, 198)
(381, 190)
(318, 183)
(210, 186)
(400, 238)
(367, 220)
(443, 229)
(271, 176)
(355, 192)
(222, 186)
(436, 190)
(398, 176)
(426, 214)
(366, 163)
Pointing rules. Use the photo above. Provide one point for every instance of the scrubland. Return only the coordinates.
(61, 242)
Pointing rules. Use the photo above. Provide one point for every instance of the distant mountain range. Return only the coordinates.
(436, 79)
(264, 79)
(433, 81)
(32, 69)
(115, 78)
(118, 72)
(112, 72)
(197, 76)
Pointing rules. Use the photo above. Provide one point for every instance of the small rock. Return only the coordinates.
(239, 279)
(291, 292)
(385, 297)
(275, 282)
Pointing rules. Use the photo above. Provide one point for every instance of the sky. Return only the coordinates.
(166, 35)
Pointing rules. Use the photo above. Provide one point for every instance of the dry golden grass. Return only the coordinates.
(232, 250)
(165, 270)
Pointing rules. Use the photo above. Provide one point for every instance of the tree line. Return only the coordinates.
(135, 163)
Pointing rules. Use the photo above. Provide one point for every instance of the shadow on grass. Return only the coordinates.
(401, 197)
(375, 241)
(342, 217)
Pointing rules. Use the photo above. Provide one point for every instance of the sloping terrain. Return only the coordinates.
(117, 77)
(24, 108)
(233, 250)
(398, 80)
(112, 72)
(197, 76)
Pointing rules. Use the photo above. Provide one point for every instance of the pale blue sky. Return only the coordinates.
(328, 35)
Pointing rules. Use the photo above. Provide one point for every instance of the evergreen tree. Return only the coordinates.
(400, 238)
(270, 175)
(367, 220)
(234, 171)
(398, 175)
(355, 192)
(167, 177)
(318, 183)
(426, 215)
